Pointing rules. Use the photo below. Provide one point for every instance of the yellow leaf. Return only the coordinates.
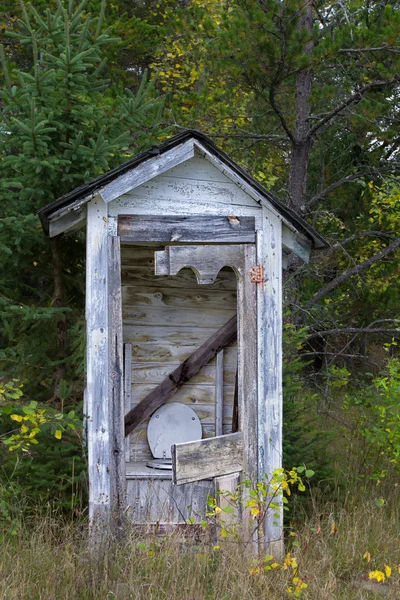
(58, 434)
(24, 429)
(388, 571)
(16, 418)
(367, 556)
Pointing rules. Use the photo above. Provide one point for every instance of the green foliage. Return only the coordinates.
(378, 418)
(305, 436)
(62, 124)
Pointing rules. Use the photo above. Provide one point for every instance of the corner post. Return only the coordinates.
(116, 383)
(269, 339)
(97, 344)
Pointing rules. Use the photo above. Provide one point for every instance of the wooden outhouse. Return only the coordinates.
(180, 240)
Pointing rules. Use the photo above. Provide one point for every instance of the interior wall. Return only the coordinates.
(166, 319)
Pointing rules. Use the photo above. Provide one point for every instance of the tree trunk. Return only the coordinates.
(301, 143)
(58, 302)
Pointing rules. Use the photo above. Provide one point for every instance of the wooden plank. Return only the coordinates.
(153, 373)
(247, 364)
(98, 423)
(193, 229)
(70, 221)
(170, 353)
(170, 317)
(247, 382)
(206, 261)
(157, 501)
(186, 394)
(134, 205)
(194, 461)
(181, 375)
(269, 338)
(116, 381)
(219, 392)
(127, 391)
(235, 411)
(147, 170)
(186, 279)
(178, 191)
(296, 243)
(181, 298)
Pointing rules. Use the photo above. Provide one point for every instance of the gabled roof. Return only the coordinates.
(83, 193)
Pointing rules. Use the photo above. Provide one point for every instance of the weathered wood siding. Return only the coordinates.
(159, 501)
(165, 319)
(193, 187)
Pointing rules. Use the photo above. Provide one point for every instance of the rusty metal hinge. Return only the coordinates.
(257, 274)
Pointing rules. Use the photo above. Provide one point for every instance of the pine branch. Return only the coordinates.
(353, 271)
(353, 99)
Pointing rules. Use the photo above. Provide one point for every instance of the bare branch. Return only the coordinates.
(279, 113)
(353, 271)
(323, 193)
(353, 99)
(249, 136)
(385, 47)
(357, 330)
(356, 236)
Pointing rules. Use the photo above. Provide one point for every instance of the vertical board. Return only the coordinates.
(269, 336)
(247, 364)
(115, 372)
(98, 419)
(128, 392)
(247, 380)
(219, 392)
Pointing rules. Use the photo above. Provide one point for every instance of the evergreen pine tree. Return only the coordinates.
(62, 124)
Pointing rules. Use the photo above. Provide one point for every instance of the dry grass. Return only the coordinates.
(49, 560)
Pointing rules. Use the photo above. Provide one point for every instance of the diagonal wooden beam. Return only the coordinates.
(186, 370)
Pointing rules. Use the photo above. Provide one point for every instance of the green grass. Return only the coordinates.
(49, 559)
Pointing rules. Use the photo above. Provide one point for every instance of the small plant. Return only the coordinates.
(31, 418)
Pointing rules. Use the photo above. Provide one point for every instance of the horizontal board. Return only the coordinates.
(159, 501)
(155, 373)
(181, 190)
(186, 279)
(194, 461)
(171, 317)
(185, 336)
(177, 298)
(193, 229)
(132, 205)
(190, 394)
(169, 353)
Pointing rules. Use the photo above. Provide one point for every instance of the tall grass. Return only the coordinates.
(49, 559)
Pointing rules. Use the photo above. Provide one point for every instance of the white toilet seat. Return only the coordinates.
(172, 423)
